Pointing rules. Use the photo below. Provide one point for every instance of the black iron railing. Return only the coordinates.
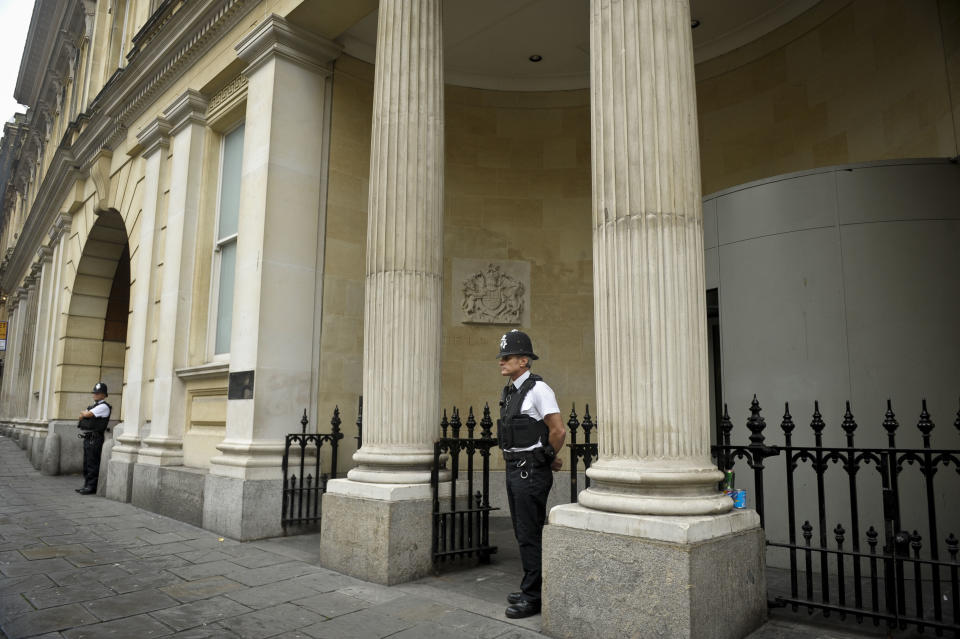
(301, 493)
(888, 584)
(462, 529)
(580, 452)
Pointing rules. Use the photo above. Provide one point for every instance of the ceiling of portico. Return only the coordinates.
(488, 43)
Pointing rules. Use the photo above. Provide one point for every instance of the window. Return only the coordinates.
(225, 248)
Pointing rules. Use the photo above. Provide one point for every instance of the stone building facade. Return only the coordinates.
(234, 210)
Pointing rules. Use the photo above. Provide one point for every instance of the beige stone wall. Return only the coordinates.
(517, 188)
(870, 82)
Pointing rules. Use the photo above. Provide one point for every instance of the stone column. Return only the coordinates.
(41, 344)
(271, 370)
(164, 446)
(402, 326)
(660, 538)
(155, 142)
(61, 448)
(649, 291)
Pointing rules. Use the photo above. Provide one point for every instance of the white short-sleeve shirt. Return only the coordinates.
(539, 402)
(100, 410)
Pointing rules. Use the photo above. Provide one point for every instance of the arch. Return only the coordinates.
(95, 331)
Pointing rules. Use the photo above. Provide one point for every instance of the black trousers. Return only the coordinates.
(92, 446)
(527, 490)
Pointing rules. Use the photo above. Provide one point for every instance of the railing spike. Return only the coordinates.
(756, 423)
(787, 424)
(890, 422)
(925, 425)
(303, 422)
(486, 423)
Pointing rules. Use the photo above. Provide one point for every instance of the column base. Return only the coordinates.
(615, 575)
(377, 532)
(672, 488)
(160, 452)
(173, 491)
(242, 509)
(391, 466)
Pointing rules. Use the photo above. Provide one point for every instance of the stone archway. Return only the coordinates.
(95, 331)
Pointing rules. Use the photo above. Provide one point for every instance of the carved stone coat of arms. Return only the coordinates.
(493, 294)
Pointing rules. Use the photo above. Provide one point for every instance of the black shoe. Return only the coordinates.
(77, 490)
(515, 597)
(523, 609)
(87, 491)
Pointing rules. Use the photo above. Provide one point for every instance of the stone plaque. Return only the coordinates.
(491, 292)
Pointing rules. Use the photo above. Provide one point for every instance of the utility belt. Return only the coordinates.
(535, 457)
(89, 434)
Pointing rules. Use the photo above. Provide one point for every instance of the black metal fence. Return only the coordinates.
(462, 529)
(889, 584)
(301, 493)
(580, 452)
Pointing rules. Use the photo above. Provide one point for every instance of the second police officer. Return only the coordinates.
(531, 432)
(93, 424)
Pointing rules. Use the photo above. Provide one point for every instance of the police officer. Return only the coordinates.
(531, 432)
(93, 424)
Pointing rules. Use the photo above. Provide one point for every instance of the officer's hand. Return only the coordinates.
(556, 464)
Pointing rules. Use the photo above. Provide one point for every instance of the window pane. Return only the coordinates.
(228, 263)
(230, 182)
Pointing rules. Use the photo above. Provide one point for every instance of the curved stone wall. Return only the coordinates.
(841, 284)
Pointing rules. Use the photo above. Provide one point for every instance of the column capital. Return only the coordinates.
(154, 136)
(277, 37)
(189, 108)
(61, 225)
(44, 253)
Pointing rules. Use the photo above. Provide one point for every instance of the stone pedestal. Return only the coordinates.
(242, 509)
(377, 532)
(71, 447)
(616, 575)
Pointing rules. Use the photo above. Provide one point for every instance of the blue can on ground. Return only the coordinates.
(739, 498)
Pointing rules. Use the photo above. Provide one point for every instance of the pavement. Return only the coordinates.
(89, 568)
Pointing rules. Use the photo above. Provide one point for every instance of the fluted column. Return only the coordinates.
(649, 307)
(402, 328)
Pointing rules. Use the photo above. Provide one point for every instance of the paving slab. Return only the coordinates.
(187, 591)
(198, 613)
(363, 624)
(130, 604)
(270, 621)
(41, 621)
(332, 604)
(61, 596)
(139, 626)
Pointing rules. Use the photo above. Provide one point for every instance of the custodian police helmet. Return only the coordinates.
(100, 387)
(516, 343)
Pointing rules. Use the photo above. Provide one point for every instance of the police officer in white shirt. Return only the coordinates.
(93, 424)
(531, 432)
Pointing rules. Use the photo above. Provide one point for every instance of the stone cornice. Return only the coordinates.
(44, 254)
(61, 225)
(277, 37)
(190, 107)
(186, 36)
(61, 175)
(154, 136)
